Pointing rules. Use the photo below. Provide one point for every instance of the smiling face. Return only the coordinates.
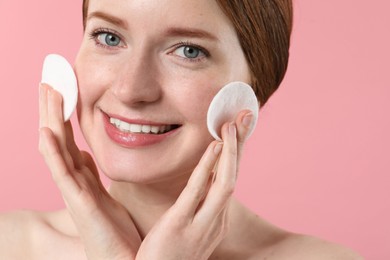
(147, 72)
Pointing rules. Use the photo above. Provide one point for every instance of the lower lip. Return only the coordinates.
(131, 140)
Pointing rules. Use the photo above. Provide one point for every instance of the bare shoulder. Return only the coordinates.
(297, 246)
(254, 238)
(24, 234)
(16, 231)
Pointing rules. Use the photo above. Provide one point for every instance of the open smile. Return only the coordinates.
(141, 128)
(135, 133)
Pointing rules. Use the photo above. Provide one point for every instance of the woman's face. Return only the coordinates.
(153, 66)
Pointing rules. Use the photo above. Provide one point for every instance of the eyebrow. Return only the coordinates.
(109, 18)
(190, 32)
(172, 31)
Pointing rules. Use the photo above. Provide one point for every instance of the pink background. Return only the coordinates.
(319, 161)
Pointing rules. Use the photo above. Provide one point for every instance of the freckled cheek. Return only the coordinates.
(93, 79)
(195, 97)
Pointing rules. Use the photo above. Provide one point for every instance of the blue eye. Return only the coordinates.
(189, 52)
(109, 39)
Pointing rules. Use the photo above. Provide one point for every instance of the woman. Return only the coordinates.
(147, 71)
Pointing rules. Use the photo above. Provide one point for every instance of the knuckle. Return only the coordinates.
(224, 229)
(226, 189)
(232, 151)
(59, 175)
(87, 199)
(228, 183)
(240, 143)
(196, 191)
(181, 221)
(228, 192)
(180, 217)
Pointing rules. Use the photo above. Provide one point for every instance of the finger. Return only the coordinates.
(55, 116)
(56, 124)
(243, 122)
(196, 188)
(222, 188)
(57, 165)
(88, 161)
(43, 121)
(72, 146)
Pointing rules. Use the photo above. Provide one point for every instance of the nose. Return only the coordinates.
(137, 81)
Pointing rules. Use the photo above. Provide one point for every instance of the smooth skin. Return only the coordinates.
(204, 223)
(181, 205)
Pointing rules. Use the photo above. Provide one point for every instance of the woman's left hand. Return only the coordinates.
(105, 227)
(195, 225)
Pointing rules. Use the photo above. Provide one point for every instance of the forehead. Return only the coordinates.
(159, 13)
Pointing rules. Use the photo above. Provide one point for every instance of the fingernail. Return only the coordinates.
(218, 148)
(247, 120)
(50, 92)
(232, 129)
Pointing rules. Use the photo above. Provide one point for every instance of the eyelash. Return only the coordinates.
(95, 34)
(191, 45)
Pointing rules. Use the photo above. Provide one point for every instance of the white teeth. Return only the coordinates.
(124, 126)
(135, 128)
(146, 129)
(117, 123)
(154, 129)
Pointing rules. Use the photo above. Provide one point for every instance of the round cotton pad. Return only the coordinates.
(59, 74)
(229, 101)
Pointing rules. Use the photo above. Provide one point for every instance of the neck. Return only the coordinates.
(146, 203)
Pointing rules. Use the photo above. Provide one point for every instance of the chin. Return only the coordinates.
(138, 170)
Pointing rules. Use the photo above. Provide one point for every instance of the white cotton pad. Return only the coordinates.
(227, 103)
(59, 74)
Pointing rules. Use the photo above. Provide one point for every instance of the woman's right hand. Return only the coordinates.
(199, 219)
(104, 225)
